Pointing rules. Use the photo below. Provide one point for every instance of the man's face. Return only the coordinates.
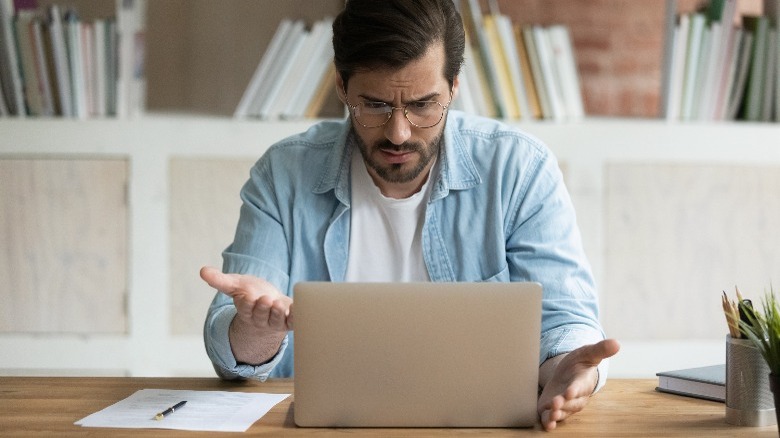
(399, 155)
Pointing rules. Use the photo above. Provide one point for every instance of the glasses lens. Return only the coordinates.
(372, 114)
(424, 114)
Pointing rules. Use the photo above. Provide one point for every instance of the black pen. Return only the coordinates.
(170, 410)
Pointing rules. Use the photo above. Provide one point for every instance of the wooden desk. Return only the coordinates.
(31, 406)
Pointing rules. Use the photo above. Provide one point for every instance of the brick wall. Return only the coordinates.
(618, 46)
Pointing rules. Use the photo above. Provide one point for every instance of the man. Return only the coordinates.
(405, 190)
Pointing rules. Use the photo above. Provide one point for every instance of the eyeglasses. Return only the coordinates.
(422, 113)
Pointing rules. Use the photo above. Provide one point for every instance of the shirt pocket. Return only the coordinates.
(502, 276)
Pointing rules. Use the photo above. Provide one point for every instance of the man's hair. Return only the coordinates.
(372, 34)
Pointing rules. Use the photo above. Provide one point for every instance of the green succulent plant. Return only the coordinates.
(762, 327)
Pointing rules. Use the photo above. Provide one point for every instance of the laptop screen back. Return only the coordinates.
(416, 354)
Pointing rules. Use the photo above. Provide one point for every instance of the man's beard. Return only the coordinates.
(395, 173)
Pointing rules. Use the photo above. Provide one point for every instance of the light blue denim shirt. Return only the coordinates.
(498, 211)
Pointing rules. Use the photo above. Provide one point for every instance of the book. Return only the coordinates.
(737, 88)
(563, 55)
(693, 51)
(550, 73)
(754, 98)
(536, 72)
(505, 93)
(9, 67)
(60, 57)
(772, 10)
(528, 78)
(707, 382)
(474, 22)
(131, 78)
(509, 44)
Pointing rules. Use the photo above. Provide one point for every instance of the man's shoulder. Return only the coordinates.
(321, 135)
(485, 135)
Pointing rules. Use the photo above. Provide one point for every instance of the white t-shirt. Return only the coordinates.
(385, 236)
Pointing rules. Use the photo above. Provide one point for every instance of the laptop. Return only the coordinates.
(416, 354)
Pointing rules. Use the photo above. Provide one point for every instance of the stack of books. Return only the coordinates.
(510, 72)
(56, 64)
(720, 65)
(295, 74)
(518, 72)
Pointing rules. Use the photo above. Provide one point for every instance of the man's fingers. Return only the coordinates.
(216, 279)
(594, 354)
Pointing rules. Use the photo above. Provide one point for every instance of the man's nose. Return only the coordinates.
(398, 129)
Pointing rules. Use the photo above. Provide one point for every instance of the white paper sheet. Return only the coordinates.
(216, 411)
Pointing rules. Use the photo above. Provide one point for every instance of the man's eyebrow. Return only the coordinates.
(370, 98)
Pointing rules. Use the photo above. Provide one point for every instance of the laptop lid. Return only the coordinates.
(416, 354)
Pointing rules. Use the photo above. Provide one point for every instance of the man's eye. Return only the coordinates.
(375, 105)
(423, 104)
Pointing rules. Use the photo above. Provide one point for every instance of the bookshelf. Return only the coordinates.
(687, 180)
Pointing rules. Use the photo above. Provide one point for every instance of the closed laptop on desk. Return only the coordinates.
(416, 354)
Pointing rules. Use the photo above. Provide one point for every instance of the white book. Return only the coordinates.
(677, 71)
(131, 79)
(57, 33)
(282, 68)
(563, 54)
(465, 100)
(76, 63)
(263, 69)
(320, 72)
(12, 79)
(550, 73)
(509, 43)
(99, 67)
(667, 65)
(291, 37)
(701, 73)
(313, 62)
(471, 74)
(711, 57)
(729, 46)
(41, 67)
(691, 65)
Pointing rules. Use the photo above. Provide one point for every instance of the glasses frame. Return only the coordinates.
(393, 108)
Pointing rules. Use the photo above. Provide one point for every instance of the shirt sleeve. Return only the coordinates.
(258, 233)
(218, 348)
(544, 245)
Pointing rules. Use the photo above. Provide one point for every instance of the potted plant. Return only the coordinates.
(762, 327)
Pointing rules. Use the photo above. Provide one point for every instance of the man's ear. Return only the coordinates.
(455, 85)
(340, 89)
